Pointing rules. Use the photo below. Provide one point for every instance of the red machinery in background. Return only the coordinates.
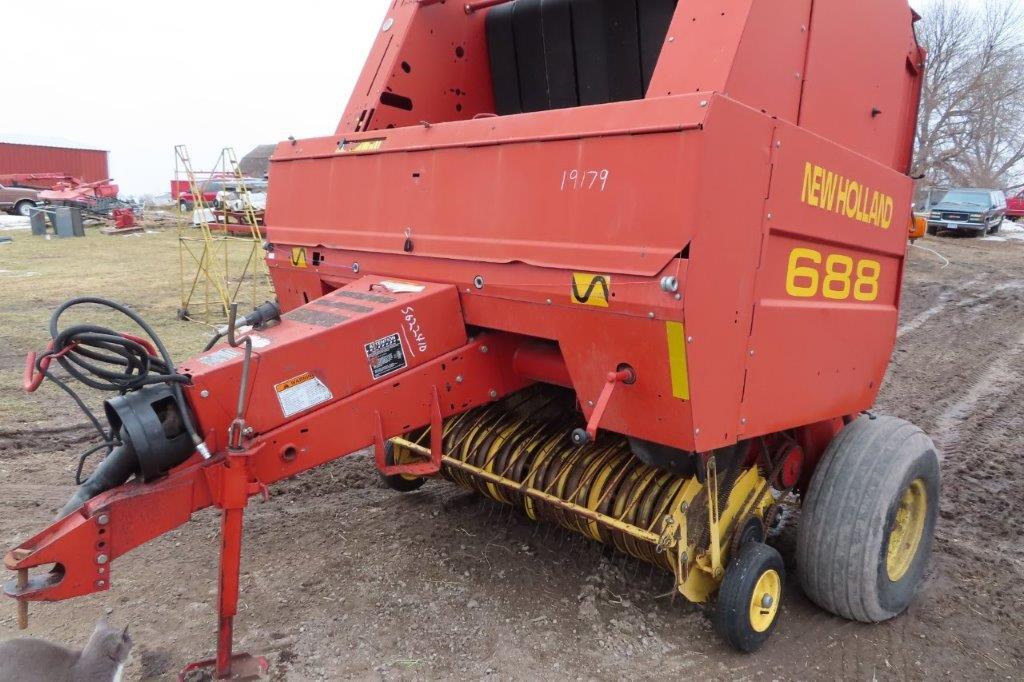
(99, 198)
(631, 265)
(35, 180)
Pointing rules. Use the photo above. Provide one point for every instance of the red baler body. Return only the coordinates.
(728, 165)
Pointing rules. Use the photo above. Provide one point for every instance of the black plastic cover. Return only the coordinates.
(151, 426)
(556, 54)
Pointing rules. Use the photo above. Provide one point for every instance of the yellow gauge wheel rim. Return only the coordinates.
(401, 456)
(907, 530)
(764, 602)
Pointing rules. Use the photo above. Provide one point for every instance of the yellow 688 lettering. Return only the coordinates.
(836, 276)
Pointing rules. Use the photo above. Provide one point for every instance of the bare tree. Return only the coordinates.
(971, 125)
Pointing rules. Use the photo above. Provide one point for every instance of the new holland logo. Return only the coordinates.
(588, 289)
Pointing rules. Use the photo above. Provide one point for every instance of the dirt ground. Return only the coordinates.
(345, 579)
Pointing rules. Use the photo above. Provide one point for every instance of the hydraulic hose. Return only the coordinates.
(107, 360)
(115, 469)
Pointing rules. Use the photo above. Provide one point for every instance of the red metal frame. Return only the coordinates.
(703, 249)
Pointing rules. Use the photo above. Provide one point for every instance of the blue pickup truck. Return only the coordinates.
(978, 211)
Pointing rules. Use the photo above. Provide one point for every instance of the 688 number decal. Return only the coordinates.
(835, 276)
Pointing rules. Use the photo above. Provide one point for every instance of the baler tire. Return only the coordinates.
(856, 504)
(399, 482)
(735, 612)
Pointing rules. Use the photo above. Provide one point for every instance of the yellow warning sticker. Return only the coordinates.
(588, 289)
(360, 146)
(299, 258)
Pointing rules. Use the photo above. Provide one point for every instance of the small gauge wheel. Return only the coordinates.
(403, 483)
(748, 600)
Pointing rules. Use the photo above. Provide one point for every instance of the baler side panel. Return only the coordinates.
(594, 199)
(857, 91)
(699, 53)
(733, 184)
(769, 68)
(429, 64)
(825, 324)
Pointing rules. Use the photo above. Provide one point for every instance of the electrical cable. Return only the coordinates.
(946, 262)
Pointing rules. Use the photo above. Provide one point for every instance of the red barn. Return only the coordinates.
(19, 154)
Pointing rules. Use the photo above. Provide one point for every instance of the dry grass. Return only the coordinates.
(36, 275)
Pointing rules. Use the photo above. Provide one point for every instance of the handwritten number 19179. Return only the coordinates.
(585, 180)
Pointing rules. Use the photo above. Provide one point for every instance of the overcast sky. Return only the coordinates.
(138, 77)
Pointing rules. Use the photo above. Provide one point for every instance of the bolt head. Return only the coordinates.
(103, 519)
(650, 315)
(670, 284)
(689, 339)
(204, 393)
(101, 583)
(703, 102)
(459, 379)
(484, 349)
(696, 432)
(102, 559)
(493, 394)
(355, 267)
(767, 601)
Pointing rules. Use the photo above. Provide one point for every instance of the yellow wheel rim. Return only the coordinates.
(764, 602)
(907, 530)
(400, 456)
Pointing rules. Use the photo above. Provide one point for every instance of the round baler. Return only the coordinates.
(630, 266)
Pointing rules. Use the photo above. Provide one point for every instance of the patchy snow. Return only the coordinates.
(13, 222)
(1011, 230)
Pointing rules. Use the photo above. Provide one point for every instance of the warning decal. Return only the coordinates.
(220, 357)
(301, 393)
(590, 289)
(385, 356)
(299, 258)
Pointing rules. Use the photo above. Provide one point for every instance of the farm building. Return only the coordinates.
(21, 154)
(256, 164)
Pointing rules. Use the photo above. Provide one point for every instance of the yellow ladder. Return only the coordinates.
(257, 256)
(206, 251)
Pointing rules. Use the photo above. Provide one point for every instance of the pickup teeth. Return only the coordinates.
(525, 439)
